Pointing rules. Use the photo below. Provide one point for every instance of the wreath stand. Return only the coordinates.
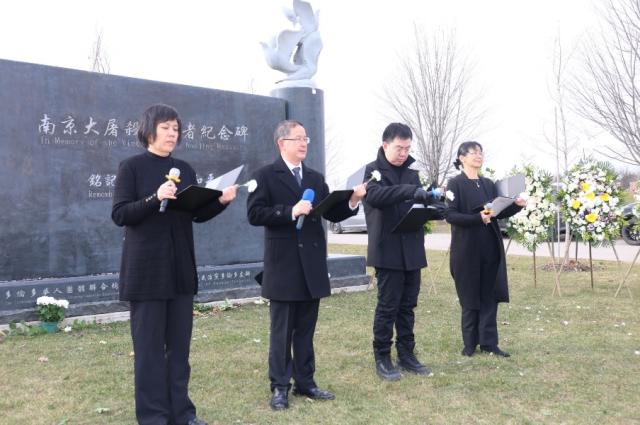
(624, 279)
(615, 252)
(433, 276)
(535, 273)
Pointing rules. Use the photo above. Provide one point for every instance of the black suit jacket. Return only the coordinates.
(465, 263)
(295, 262)
(387, 201)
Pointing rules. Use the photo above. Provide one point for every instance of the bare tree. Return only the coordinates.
(562, 141)
(431, 94)
(608, 95)
(332, 158)
(99, 58)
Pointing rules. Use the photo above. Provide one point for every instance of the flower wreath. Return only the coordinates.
(532, 224)
(590, 199)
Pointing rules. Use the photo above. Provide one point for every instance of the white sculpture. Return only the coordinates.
(303, 44)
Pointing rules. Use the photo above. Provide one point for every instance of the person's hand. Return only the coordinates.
(359, 192)
(521, 202)
(301, 208)
(486, 218)
(167, 190)
(228, 194)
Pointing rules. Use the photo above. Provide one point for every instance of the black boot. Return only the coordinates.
(410, 363)
(386, 369)
(493, 349)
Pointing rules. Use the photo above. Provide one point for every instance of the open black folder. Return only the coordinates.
(332, 199)
(415, 218)
(193, 197)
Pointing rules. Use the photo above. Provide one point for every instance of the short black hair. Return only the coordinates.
(396, 129)
(464, 149)
(154, 115)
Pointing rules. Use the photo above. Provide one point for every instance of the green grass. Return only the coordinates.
(573, 362)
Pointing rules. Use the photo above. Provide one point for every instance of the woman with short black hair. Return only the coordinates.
(477, 253)
(158, 270)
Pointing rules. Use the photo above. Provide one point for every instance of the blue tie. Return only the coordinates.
(296, 174)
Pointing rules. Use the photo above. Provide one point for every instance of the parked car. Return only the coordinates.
(356, 223)
(630, 236)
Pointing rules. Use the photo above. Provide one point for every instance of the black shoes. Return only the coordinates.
(495, 350)
(468, 351)
(279, 399)
(314, 393)
(410, 363)
(386, 370)
(196, 421)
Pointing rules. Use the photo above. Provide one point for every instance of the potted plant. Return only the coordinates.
(51, 312)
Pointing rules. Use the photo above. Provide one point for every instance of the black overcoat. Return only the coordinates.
(386, 202)
(295, 261)
(158, 255)
(466, 225)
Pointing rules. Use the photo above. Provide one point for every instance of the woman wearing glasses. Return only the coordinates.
(477, 253)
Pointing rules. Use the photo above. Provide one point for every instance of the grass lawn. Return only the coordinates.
(575, 360)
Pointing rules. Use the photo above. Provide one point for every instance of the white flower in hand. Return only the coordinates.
(251, 185)
(375, 176)
(449, 195)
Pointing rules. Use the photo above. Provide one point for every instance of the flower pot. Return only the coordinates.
(50, 327)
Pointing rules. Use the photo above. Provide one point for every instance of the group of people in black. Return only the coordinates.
(158, 270)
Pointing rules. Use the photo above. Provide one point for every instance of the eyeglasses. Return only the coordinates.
(476, 152)
(304, 140)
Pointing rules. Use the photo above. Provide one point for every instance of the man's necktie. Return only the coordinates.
(296, 174)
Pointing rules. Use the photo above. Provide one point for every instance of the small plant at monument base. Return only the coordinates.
(50, 309)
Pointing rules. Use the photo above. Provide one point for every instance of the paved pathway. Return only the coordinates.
(440, 241)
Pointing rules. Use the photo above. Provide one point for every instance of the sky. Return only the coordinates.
(215, 44)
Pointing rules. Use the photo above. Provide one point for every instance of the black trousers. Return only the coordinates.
(291, 343)
(480, 326)
(397, 297)
(161, 333)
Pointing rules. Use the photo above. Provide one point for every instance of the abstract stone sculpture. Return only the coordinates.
(295, 52)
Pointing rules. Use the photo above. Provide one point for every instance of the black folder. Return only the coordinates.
(331, 200)
(415, 219)
(193, 197)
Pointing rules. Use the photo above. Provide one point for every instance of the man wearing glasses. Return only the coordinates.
(397, 257)
(295, 274)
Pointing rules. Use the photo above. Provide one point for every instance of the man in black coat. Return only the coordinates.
(397, 257)
(295, 274)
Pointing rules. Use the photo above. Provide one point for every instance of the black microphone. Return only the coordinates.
(308, 195)
(174, 174)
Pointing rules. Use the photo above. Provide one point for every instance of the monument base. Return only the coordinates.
(90, 295)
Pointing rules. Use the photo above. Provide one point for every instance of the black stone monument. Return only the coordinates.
(62, 135)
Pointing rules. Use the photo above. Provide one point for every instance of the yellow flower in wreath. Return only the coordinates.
(604, 197)
(575, 204)
(591, 217)
(584, 186)
(590, 195)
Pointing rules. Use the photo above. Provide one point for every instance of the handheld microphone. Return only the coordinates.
(174, 174)
(308, 195)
